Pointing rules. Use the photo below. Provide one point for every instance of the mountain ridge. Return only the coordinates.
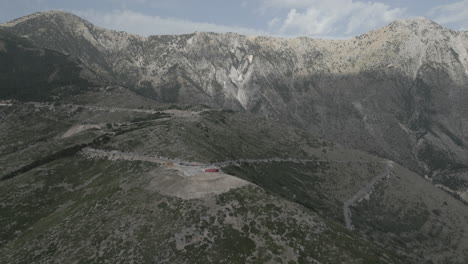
(419, 20)
(409, 75)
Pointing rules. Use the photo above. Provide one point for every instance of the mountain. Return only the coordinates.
(31, 73)
(398, 92)
(349, 151)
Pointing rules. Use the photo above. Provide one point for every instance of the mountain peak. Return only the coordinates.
(419, 19)
(416, 23)
(54, 12)
(44, 14)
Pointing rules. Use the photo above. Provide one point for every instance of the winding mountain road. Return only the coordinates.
(193, 168)
(172, 112)
(188, 167)
(129, 156)
(362, 193)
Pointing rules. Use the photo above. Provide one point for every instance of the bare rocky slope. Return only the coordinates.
(102, 169)
(398, 92)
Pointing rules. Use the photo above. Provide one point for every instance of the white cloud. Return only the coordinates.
(138, 23)
(332, 17)
(274, 22)
(454, 13)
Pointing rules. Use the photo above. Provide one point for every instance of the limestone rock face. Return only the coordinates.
(400, 92)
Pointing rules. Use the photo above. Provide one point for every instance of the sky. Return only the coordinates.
(286, 18)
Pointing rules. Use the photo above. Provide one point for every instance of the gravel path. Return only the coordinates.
(172, 112)
(362, 193)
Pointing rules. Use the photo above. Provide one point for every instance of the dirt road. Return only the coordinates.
(362, 193)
